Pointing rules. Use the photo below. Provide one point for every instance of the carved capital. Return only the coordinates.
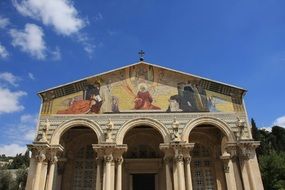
(39, 151)
(187, 159)
(231, 149)
(108, 158)
(179, 158)
(167, 159)
(119, 160)
(226, 159)
(247, 149)
(40, 157)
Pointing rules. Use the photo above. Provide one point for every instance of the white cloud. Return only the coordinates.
(280, 121)
(12, 149)
(29, 118)
(30, 40)
(9, 78)
(31, 76)
(269, 129)
(10, 101)
(4, 22)
(3, 52)
(56, 54)
(60, 14)
(19, 133)
(87, 45)
(98, 17)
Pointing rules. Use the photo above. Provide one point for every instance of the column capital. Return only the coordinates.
(110, 152)
(226, 159)
(247, 148)
(187, 159)
(178, 158)
(108, 158)
(39, 150)
(231, 149)
(54, 152)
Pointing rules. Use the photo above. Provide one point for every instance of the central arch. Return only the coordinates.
(61, 129)
(224, 128)
(142, 121)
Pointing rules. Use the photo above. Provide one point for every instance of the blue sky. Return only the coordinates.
(47, 43)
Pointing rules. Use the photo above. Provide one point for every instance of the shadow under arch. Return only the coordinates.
(62, 128)
(142, 121)
(225, 129)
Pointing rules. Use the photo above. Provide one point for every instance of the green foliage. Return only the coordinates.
(272, 168)
(271, 156)
(21, 178)
(19, 166)
(20, 161)
(6, 181)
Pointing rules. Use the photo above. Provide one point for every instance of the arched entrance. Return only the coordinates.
(77, 169)
(206, 166)
(142, 168)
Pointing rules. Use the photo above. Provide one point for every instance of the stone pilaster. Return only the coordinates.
(35, 177)
(112, 156)
(53, 154)
(247, 156)
(178, 152)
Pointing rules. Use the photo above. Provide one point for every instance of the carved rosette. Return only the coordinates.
(108, 158)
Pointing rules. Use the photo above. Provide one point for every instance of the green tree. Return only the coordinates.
(21, 178)
(20, 161)
(272, 168)
(6, 180)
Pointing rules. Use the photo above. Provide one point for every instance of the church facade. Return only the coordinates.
(142, 127)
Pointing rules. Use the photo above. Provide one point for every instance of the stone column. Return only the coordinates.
(229, 159)
(53, 162)
(110, 152)
(108, 181)
(52, 158)
(118, 155)
(228, 170)
(188, 172)
(187, 160)
(167, 161)
(99, 161)
(246, 154)
(168, 158)
(119, 162)
(180, 168)
(32, 170)
(40, 158)
(175, 176)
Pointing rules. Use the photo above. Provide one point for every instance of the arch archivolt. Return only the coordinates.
(62, 128)
(139, 122)
(224, 128)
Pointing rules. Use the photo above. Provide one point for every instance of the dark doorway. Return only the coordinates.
(143, 181)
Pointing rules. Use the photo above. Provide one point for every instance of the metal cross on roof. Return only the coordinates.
(141, 53)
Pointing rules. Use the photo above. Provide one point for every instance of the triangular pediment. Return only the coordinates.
(142, 87)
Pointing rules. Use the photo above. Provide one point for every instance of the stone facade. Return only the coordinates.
(167, 151)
